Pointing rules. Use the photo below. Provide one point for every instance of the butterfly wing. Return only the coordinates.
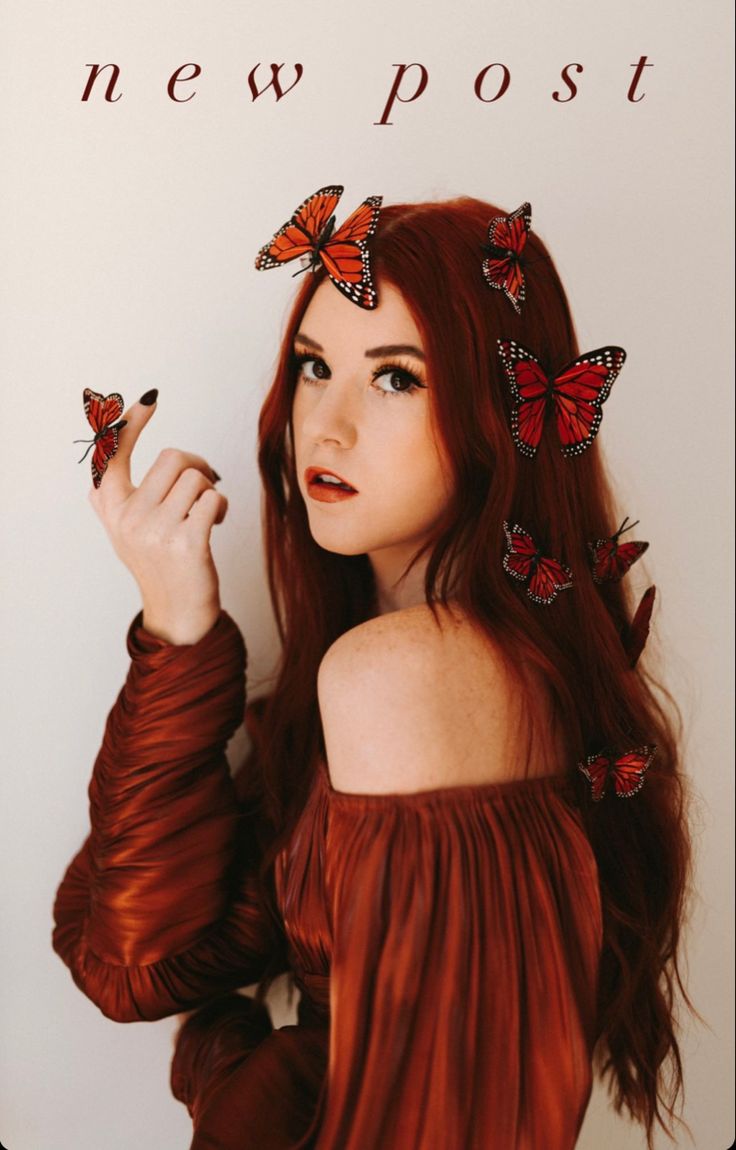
(611, 559)
(299, 236)
(507, 237)
(549, 577)
(628, 771)
(636, 634)
(578, 392)
(104, 450)
(530, 388)
(596, 768)
(346, 258)
(521, 552)
(102, 410)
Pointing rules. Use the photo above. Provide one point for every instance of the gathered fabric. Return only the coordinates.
(445, 943)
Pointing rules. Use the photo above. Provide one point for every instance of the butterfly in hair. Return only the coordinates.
(310, 236)
(627, 771)
(502, 267)
(524, 561)
(634, 636)
(611, 559)
(103, 414)
(574, 395)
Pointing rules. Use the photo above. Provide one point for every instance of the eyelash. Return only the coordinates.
(300, 359)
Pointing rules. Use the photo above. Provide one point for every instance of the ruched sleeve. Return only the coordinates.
(160, 909)
(466, 927)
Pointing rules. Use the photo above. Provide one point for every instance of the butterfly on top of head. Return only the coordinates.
(310, 235)
(627, 771)
(611, 559)
(524, 561)
(103, 413)
(502, 267)
(573, 396)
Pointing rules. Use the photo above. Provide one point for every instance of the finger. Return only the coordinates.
(118, 484)
(208, 510)
(164, 473)
(186, 490)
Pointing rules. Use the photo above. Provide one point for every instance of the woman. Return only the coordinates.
(472, 935)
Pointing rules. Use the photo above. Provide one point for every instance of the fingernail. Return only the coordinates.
(215, 477)
(149, 398)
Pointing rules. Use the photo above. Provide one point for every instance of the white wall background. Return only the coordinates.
(127, 238)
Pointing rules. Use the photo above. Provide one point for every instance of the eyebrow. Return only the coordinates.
(372, 352)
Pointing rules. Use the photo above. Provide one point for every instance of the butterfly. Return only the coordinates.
(611, 559)
(310, 235)
(507, 237)
(627, 771)
(524, 561)
(575, 394)
(103, 413)
(635, 635)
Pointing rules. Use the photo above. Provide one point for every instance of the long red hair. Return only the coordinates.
(432, 253)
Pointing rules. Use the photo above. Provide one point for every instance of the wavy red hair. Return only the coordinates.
(432, 253)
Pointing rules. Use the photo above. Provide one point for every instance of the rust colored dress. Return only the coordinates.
(446, 943)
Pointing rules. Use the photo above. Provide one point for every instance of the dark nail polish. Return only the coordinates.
(149, 398)
(215, 477)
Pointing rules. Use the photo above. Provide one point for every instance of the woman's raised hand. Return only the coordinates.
(161, 531)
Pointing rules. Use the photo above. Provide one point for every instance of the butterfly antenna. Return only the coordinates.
(623, 526)
(91, 443)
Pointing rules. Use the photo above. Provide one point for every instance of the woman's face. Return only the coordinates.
(362, 411)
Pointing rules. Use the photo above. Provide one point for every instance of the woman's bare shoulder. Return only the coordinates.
(408, 703)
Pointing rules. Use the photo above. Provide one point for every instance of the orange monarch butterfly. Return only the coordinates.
(611, 559)
(507, 237)
(575, 394)
(102, 411)
(310, 235)
(524, 561)
(627, 771)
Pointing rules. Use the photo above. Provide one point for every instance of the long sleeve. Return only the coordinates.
(466, 929)
(160, 910)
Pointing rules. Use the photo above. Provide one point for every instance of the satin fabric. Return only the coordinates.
(445, 943)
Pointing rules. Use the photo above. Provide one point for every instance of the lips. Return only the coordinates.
(327, 490)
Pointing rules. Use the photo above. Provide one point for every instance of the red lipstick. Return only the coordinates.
(327, 490)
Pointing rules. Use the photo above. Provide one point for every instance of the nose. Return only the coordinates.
(331, 416)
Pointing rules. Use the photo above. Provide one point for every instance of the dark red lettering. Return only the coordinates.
(394, 93)
(640, 66)
(177, 78)
(274, 82)
(571, 85)
(96, 70)
(505, 81)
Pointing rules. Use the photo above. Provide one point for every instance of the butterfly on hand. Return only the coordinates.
(627, 771)
(611, 559)
(103, 413)
(310, 235)
(573, 396)
(507, 236)
(524, 561)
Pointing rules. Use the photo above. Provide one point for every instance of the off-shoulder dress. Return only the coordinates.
(446, 943)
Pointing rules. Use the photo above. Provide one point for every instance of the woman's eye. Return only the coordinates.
(313, 369)
(396, 381)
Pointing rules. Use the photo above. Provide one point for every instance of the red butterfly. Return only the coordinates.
(575, 394)
(634, 636)
(627, 771)
(611, 559)
(524, 561)
(310, 234)
(507, 237)
(102, 411)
